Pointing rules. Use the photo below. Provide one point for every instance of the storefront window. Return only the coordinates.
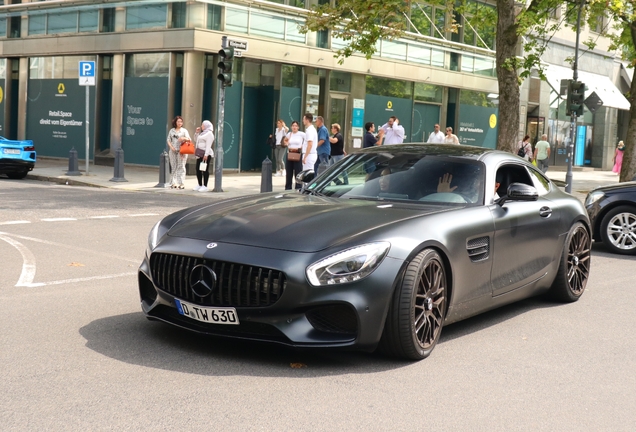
(475, 98)
(148, 65)
(428, 93)
(146, 16)
(56, 67)
(3, 68)
(340, 81)
(389, 87)
(37, 24)
(292, 76)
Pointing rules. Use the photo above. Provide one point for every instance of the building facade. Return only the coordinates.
(158, 59)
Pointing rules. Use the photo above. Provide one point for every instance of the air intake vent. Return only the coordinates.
(478, 249)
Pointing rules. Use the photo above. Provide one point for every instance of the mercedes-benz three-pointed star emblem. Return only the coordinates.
(202, 280)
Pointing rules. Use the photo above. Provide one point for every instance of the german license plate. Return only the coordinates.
(207, 314)
(11, 151)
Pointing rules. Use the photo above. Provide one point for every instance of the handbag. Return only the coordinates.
(187, 147)
(293, 155)
(271, 142)
(203, 166)
(200, 153)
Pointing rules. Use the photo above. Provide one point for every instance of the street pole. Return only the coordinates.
(87, 135)
(218, 152)
(575, 76)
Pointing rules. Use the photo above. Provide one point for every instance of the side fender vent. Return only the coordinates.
(478, 249)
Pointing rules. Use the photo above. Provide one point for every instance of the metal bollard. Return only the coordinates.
(164, 170)
(119, 166)
(266, 175)
(73, 169)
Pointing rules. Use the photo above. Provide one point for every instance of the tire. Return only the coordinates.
(418, 309)
(18, 176)
(574, 268)
(618, 230)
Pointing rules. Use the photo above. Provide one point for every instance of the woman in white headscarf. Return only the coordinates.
(204, 154)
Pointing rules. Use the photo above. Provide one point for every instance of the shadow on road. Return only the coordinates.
(599, 249)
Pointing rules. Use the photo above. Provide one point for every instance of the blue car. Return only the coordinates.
(17, 158)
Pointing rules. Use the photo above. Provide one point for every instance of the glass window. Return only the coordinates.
(56, 67)
(214, 17)
(420, 22)
(148, 65)
(475, 98)
(3, 27)
(267, 25)
(62, 22)
(37, 24)
(15, 27)
(292, 76)
(428, 92)
(541, 184)
(235, 20)
(484, 66)
(393, 50)
(340, 81)
(178, 15)
(292, 33)
(3, 68)
(419, 54)
(108, 20)
(252, 75)
(322, 39)
(468, 63)
(388, 87)
(107, 67)
(440, 22)
(88, 21)
(146, 16)
(437, 58)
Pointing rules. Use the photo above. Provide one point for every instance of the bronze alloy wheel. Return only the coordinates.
(578, 260)
(429, 304)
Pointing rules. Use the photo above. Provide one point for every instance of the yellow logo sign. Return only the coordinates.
(389, 105)
(61, 88)
(1, 95)
(493, 121)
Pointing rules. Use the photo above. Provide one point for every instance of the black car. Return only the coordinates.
(612, 212)
(383, 248)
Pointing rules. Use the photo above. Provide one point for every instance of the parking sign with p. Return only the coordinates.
(87, 73)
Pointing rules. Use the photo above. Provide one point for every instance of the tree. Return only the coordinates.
(362, 23)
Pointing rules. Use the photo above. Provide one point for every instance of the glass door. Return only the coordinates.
(339, 114)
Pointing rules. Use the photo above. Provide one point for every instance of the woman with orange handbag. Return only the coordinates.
(176, 137)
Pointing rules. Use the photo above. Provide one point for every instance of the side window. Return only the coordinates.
(541, 183)
(511, 173)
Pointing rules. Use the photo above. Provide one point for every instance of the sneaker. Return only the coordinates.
(203, 189)
(278, 173)
(284, 172)
(196, 188)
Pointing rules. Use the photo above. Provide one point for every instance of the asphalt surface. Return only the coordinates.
(77, 354)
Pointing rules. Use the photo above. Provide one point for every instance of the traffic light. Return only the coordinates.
(576, 96)
(225, 66)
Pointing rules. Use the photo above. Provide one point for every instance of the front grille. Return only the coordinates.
(237, 285)
(478, 249)
(339, 319)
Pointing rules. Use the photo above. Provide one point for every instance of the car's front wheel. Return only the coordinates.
(618, 230)
(574, 268)
(416, 315)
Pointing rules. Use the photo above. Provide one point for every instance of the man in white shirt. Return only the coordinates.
(310, 155)
(393, 132)
(436, 137)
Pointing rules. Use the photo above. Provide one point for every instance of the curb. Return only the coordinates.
(62, 180)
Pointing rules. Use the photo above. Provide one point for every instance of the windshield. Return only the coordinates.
(404, 177)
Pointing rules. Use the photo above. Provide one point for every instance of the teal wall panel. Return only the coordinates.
(478, 126)
(258, 123)
(290, 99)
(232, 125)
(56, 115)
(425, 116)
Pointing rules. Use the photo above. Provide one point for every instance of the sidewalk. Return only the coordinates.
(235, 185)
(146, 178)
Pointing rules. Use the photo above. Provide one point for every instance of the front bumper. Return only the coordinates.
(346, 315)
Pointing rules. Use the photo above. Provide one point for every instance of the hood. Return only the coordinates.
(618, 187)
(292, 222)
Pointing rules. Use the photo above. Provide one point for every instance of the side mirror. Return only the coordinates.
(305, 176)
(519, 192)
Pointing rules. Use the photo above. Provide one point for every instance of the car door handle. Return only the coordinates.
(545, 212)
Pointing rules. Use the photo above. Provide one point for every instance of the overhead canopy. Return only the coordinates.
(600, 84)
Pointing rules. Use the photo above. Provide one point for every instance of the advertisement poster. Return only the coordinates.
(56, 115)
(478, 126)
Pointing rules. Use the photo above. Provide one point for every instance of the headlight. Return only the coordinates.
(349, 265)
(153, 238)
(592, 197)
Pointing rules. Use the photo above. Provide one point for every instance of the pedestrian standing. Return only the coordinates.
(450, 137)
(280, 151)
(393, 131)
(294, 141)
(542, 153)
(524, 148)
(370, 140)
(204, 154)
(310, 154)
(177, 136)
(618, 158)
(324, 145)
(436, 137)
(337, 144)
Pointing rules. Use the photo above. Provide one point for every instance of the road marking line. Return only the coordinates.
(103, 217)
(143, 214)
(86, 279)
(15, 222)
(28, 261)
(70, 247)
(58, 219)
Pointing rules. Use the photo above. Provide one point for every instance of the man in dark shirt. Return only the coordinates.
(369, 139)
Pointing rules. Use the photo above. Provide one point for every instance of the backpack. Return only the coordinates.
(522, 150)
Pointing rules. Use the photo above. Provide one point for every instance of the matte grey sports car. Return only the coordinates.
(382, 249)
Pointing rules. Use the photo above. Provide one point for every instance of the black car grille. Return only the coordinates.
(339, 319)
(237, 285)
(478, 249)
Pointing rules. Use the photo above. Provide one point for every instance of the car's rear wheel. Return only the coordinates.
(618, 230)
(574, 268)
(17, 176)
(417, 311)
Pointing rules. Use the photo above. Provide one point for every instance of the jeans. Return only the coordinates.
(345, 177)
(279, 154)
(322, 158)
(542, 164)
(293, 168)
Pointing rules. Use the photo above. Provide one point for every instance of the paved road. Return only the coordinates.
(77, 354)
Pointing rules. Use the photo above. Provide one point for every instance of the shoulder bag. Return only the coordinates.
(294, 155)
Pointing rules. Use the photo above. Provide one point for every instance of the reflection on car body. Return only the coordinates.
(374, 252)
